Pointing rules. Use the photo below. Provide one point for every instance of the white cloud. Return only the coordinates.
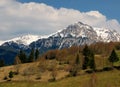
(37, 18)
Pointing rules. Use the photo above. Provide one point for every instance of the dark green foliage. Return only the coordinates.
(107, 68)
(92, 61)
(5, 78)
(88, 58)
(86, 53)
(2, 62)
(85, 62)
(77, 61)
(36, 54)
(10, 74)
(113, 57)
(22, 56)
(117, 47)
(31, 56)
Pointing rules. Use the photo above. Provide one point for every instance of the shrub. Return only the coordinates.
(10, 75)
(89, 71)
(73, 73)
(107, 68)
(5, 78)
(52, 80)
(117, 67)
(38, 78)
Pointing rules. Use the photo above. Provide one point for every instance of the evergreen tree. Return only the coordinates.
(36, 54)
(92, 61)
(2, 62)
(113, 57)
(31, 56)
(10, 75)
(77, 61)
(88, 58)
(22, 56)
(86, 53)
(85, 62)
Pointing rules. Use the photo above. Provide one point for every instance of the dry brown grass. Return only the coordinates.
(31, 71)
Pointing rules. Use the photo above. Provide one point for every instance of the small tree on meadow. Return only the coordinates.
(22, 56)
(31, 56)
(10, 75)
(36, 54)
(86, 53)
(92, 61)
(88, 58)
(113, 57)
(77, 61)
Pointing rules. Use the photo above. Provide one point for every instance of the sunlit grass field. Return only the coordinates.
(101, 79)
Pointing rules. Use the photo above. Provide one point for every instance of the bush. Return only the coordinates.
(89, 71)
(11, 75)
(52, 80)
(117, 67)
(5, 78)
(99, 70)
(107, 68)
(38, 78)
(73, 72)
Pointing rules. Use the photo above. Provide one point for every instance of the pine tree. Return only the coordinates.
(10, 75)
(22, 56)
(92, 61)
(113, 57)
(86, 53)
(31, 56)
(77, 61)
(2, 62)
(88, 58)
(36, 54)
(85, 62)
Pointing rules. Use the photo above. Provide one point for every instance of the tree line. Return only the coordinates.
(23, 58)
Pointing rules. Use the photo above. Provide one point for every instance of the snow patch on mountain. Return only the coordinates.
(25, 40)
(107, 35)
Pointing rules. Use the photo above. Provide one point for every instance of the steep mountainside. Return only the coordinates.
(75, 34)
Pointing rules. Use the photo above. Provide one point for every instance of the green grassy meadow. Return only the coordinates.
(101, 79)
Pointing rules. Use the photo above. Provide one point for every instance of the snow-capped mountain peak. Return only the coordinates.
(77, 30)
(25, 40)
(75, 34)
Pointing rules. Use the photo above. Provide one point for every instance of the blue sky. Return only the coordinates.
(44, 17)
(109, 8)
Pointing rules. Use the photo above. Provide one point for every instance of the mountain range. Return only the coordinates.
(74, 34)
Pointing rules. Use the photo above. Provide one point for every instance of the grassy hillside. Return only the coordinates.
(102, 79)
(57, 68)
